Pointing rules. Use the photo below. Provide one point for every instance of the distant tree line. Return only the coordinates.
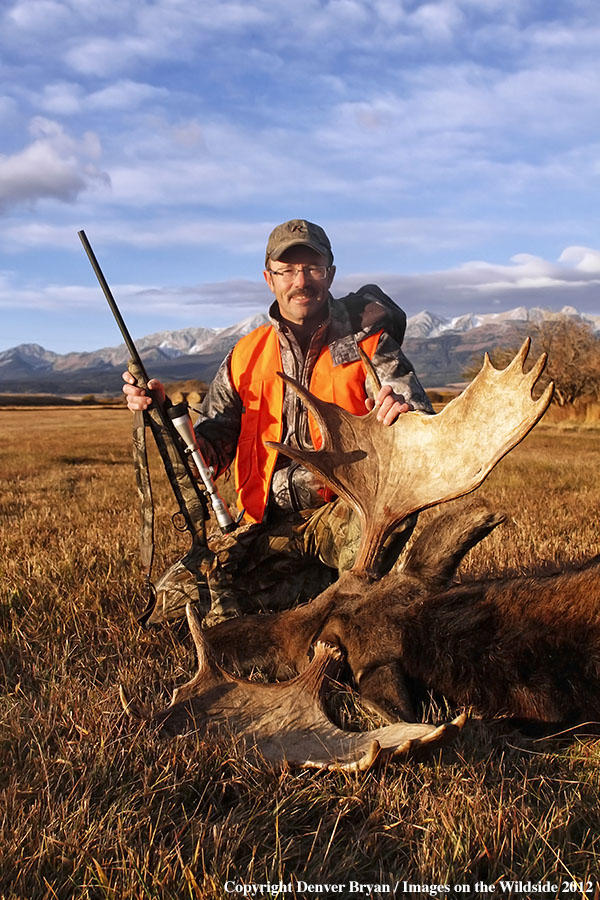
(573, 358)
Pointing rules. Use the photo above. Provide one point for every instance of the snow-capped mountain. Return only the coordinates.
(198, 340)
(439, 349)
(429, 325)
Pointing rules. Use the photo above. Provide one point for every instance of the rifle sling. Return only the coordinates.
(192, 503)
(144, 488)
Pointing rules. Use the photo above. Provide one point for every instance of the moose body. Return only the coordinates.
(527, 647)
(524, 647)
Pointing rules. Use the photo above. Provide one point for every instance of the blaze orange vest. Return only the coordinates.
(255, 361)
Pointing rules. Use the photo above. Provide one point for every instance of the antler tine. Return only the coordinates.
(208, 670)
(326, 659)
(371, 373)
(132, 708)
(203, 653)
(518, 360)
(538, 368)
(518, 363)
(516, 386)
(369, 758)
(317, 407)
(129, 707)
(126, 701)
(437, 737)
(364, 762)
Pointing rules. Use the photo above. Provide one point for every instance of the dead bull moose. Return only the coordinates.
(524, 647)
(479, 644)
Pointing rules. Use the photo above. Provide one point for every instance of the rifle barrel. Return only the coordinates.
(112, 303)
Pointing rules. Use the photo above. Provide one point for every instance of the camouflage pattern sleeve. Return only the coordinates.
(395, 369)
(218, 424)
(369, 309)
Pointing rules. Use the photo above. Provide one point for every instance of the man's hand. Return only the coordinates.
(389, 405)
(137, 398)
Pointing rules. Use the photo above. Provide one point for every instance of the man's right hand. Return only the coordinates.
(137, 398)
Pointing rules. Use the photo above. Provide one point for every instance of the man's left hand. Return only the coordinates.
(389, 405)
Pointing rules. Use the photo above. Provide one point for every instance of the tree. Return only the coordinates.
(573, 358)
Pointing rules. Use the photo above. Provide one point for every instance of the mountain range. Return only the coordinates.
(439, 349)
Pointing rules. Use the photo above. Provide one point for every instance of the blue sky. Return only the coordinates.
(451, 149)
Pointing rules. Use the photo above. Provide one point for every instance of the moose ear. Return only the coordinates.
(435, 555)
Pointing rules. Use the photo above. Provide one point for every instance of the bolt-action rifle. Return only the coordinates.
(172, 416)
(175, 438)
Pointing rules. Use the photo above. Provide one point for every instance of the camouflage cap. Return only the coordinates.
(298, 231)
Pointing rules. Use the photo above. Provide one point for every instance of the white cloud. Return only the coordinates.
(54, 165)
(125, 95)
(241, 237)
(240, 296)
(211, 162)
(468, 100)
(103, 56)
(62, 98)
(427, 235)
(439, 20)
(37, 16)
(112, 37)
(421, 233)
(476, 286)
(526, 271)
(481, 287)
(412, 122)
(49, 297)
(583, 259)
(68, 98)
(138, 34)
(349, 12)
(470, 127)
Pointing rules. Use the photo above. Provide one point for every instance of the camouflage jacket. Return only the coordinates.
(350, 319)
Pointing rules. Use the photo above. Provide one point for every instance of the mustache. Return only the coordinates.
(308, 291)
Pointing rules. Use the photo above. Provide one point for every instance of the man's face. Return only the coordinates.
(301, 297)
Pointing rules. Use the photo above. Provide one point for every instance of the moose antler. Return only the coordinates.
(285, 722)
(388, 472)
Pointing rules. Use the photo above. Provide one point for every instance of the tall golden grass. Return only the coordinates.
(94, 808)
(584, 413)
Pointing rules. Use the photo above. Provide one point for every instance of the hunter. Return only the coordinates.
(290, 519)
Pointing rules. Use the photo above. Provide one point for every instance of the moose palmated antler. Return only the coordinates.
(388, 472)
(286, 722)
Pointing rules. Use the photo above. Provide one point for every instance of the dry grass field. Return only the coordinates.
(93, 808)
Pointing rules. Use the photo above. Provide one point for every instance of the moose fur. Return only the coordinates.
(526, 647)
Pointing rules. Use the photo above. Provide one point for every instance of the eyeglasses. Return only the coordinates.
(317, 273)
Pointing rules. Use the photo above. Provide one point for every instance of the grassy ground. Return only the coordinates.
(91, 808)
